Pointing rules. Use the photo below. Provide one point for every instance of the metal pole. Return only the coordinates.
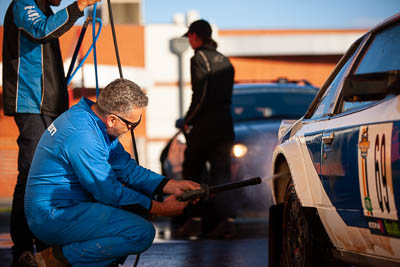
(178, 46)
(180, 72)
(120, 72)
(114, 38)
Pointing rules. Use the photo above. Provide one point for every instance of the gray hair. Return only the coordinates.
(121, 95)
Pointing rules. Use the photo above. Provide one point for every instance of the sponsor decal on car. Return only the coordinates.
(384, 227)
(375, 177)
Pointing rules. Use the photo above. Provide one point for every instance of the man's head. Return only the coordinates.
(121, 104)
(199, 33)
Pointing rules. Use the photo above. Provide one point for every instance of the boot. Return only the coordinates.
(27, 259)
(52, 257)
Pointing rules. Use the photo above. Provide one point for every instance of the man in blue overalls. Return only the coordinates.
(85, 195)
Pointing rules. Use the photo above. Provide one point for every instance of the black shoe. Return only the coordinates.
(192, 230)
(225, 229)
(27, 259)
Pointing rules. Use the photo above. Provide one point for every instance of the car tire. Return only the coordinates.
(296, 232)
(304, 240)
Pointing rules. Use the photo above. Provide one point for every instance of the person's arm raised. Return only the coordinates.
(82, 4)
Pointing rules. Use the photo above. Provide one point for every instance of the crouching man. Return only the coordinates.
(85, 196)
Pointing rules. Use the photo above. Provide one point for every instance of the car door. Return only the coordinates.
(360, 146)
(317, 122)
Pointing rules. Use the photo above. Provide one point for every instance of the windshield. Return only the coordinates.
(383, 53)
(378, 72)
(270, 104)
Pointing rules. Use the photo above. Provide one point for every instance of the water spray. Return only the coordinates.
(268, 178)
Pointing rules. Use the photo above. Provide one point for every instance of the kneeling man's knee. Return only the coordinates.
(145, 238)
(150, 234)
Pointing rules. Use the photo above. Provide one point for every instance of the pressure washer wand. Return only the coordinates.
(205, 191)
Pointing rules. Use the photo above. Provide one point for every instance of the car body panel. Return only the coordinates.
(353, 236)
(304, 174)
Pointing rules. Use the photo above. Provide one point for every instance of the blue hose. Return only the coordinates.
(93, 46)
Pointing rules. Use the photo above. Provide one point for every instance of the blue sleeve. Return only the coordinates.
(88, 156)
(133, 175)
(39, 27)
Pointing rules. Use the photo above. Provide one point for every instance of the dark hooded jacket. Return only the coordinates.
(212, 83)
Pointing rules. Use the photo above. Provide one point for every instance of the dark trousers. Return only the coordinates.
(218, 155)
(31, 128)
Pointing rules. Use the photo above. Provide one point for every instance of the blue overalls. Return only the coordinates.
(79, 184)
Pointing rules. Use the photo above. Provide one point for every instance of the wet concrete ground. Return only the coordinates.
(211, 253)
(248, 248)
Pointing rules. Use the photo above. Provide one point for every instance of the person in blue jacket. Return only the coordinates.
(34, 92)
(85, 195)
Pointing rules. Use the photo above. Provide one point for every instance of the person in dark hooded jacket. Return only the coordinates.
(208, 128)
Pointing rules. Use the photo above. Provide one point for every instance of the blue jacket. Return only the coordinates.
(33, 72)
(76, 161)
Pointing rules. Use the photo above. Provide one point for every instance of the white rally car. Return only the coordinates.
(337, 201)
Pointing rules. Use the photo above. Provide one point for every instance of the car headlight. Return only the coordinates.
(239, 150)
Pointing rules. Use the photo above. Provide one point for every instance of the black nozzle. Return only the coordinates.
(235, 185)
(205, 190)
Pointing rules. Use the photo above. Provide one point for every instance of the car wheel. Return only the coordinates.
(296, 234)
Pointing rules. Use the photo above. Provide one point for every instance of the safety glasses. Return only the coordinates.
(129, 125)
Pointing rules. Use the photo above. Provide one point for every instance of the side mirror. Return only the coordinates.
(371, 86)
(284, 127)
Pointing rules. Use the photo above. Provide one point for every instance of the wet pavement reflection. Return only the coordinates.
(200, 253)
(248, 248)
